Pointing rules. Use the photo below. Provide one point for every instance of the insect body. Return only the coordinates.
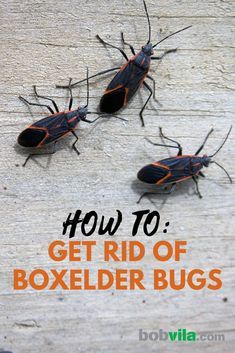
(126, 82)
(173, 170)
(54, 126)
(179, 168)
(51, 128)
(131, 75)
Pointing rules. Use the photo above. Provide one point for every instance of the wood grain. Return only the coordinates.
(47, 42)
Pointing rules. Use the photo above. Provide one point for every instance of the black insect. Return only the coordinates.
(179, 168)
(55, 126)
(131, 75)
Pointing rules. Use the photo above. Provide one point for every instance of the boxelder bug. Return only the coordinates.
(131, 75)
(54, 126)
(181, 167)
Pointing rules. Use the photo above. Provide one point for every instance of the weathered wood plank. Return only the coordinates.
(47, 42)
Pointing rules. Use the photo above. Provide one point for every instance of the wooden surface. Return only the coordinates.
(46, 42)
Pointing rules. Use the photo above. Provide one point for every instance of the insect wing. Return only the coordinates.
(181, 168)
(56, 126)
(122, 87)
(152, 173)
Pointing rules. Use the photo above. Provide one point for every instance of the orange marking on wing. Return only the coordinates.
(183, 178)
(72, 119)
(37, 128)
(186, 177)
(124, 66)
(142, 80)
(185, 155)
(133, 57)
(142, 61)
(114, 89)
(158, 164)
(125, 100)
(42, 142)
(164, 179)
(161, 181)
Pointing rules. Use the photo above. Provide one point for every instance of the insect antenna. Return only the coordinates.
(71, 94)
(87, 86)
(222, 143)
(149, 24)
(170, 35)
(229, 177)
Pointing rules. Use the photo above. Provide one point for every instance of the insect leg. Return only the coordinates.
(73, 146)
(39, 105)
(203, 144)
(172, 188)
(49, 99)
(201, 174)
(129, 45)
(167, 138)
(154, 89)
(112, 46)
(102, 115)
(39, 154)
(71, 94)
(144, 106)
(162, 56)
(85, 79)
(164, 144)
(91, 121)
(160, 144)
(197, 188)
